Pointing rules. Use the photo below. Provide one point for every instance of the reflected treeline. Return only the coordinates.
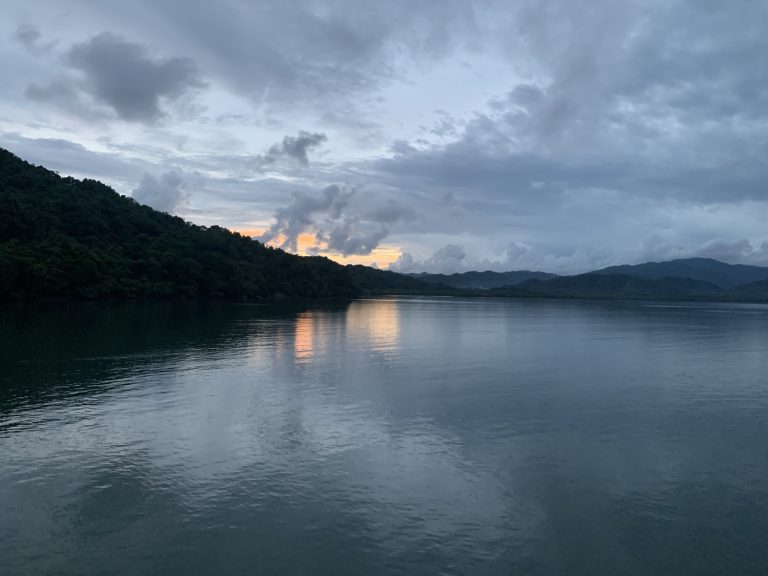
(53, 350)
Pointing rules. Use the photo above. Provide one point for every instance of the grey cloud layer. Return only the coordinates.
(625, 131)
(29, 36)
(119, 74)
(293, 149)
(644, 122)
(316, 54)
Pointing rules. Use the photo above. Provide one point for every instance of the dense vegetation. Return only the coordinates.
(704, 269)
(68, 238)
(624, 287)
(685, 279)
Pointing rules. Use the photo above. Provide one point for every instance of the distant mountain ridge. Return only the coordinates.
(708, 276)
(682, 279)
(621, 286)
(704, 269)
(483, 280)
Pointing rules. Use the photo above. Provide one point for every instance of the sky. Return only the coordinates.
(432, 135)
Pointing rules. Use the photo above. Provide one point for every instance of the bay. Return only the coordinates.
(384, 436)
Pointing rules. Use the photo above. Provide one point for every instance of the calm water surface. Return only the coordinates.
(389, 436)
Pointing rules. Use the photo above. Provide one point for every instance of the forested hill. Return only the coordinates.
(483, 280)
(68, 238)
(703, 269)
(622, 286)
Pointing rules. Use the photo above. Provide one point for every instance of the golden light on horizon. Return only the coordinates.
(381, 256)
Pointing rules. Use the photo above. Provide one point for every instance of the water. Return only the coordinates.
(389, 436)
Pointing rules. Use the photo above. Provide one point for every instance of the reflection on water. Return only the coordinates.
(392, 436)
(374, 323)
(304, 336)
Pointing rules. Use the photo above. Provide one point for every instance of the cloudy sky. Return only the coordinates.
(439, 135)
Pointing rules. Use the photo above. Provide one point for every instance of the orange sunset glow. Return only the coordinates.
(382, 256)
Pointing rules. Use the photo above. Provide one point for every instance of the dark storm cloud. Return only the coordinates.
(64, 94)
(119, 74)
(636, 111)
(122, 75)
(29, 36)
(618, 72)
(611, 131)
(321, 56)
(390, 212)
(484, 178)
(293, 149)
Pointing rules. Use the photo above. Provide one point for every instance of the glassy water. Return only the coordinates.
(389, 436)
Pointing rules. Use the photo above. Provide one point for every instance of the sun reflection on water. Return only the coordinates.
(374, 322)
(304, 340)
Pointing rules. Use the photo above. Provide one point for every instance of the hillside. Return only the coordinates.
(483, 280)
(704, 269)
(621, 286)
(67, 238)
(752, 292)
